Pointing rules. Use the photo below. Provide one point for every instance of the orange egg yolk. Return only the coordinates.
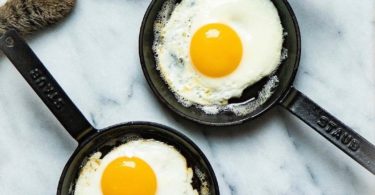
(216, 50)
(128, 176)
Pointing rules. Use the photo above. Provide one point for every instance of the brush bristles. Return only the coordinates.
(28, 16)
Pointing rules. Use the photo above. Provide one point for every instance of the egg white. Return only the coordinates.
(170, 167)
(256, 22)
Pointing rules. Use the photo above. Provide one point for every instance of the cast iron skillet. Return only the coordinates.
(285, 94)
(91, 140)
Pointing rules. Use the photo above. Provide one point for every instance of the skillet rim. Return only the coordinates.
(280, 95)
(133, 124)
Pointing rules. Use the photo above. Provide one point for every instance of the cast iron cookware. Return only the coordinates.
(284, 94)
(91, 140)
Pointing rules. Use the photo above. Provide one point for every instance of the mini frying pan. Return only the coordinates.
(91, 140)
(284, 95)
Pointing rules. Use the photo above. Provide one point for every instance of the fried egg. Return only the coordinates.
(210, 51)
(141, 167)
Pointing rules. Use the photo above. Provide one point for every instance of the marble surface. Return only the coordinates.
(93, 55)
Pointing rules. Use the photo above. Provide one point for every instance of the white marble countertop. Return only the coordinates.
(94, 56)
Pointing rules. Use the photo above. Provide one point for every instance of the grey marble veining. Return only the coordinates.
(94, 56)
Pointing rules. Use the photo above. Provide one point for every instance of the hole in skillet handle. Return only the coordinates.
(9, 42)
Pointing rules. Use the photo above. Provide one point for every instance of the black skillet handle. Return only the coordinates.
(331, 128)
(38, 77)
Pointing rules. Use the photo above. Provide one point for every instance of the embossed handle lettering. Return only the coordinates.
(331, 128)
(339, 133)
(32, 69)
(50, 92)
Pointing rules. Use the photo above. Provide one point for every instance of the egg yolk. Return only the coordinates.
(128, 176)
(216, 50)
